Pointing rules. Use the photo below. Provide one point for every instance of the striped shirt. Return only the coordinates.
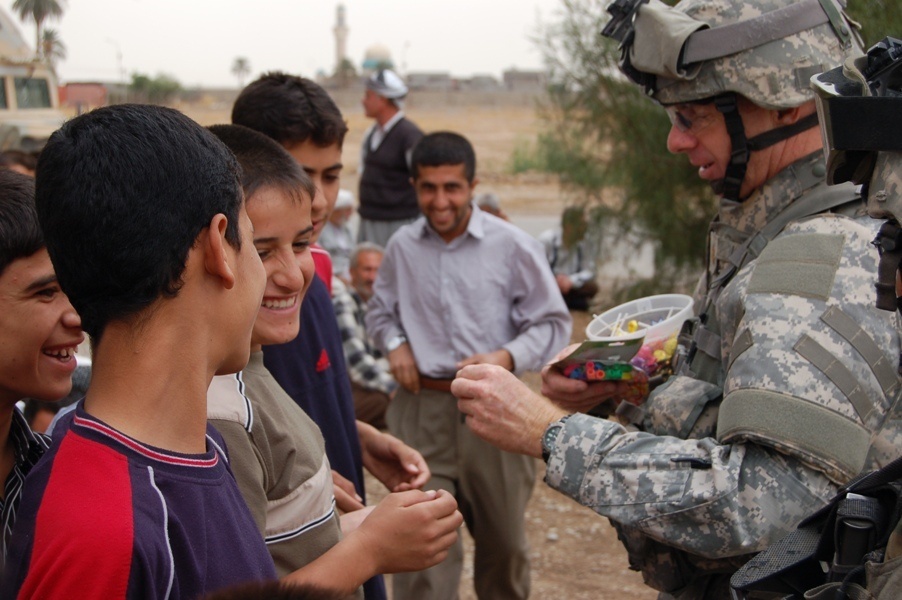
(28, 447)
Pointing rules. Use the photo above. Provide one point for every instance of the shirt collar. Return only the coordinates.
(392, 122)
(475, 227)
(28, 446)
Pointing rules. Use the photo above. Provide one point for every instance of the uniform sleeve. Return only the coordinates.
(247, 466)
(700, 496)
(538, 310)
(807, 382)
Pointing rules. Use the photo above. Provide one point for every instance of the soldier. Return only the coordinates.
(788, 368)
(859, 105)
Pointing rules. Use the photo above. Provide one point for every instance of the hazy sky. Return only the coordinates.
(197, 40)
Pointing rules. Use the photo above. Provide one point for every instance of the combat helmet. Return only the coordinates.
(860, 108)
(715, 50)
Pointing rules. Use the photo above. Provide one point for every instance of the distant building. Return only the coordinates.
(83, 96)
(377, 57)
(482, 83)
(515, 79)
(424, 80)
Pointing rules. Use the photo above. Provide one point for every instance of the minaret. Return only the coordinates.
(341, 36)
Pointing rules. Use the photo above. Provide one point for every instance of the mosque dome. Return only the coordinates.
(377, 56)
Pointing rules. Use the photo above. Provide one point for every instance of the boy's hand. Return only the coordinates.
(410, 531)
(346, 498)
(352, 520)
(404, 368)
(398, 466)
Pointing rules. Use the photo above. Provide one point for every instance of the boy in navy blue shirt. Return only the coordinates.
(145, 223)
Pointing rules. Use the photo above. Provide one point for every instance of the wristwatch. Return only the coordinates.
(395, 342)
(549, 438)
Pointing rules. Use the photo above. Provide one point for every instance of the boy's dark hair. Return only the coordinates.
(290, 110)
(122, 193)
(20, 233)
(444, 148)
(264, 163)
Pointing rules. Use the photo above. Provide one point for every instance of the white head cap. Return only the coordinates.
(345, 199)
(387, 84)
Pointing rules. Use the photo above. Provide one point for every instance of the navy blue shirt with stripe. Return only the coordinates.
(105, 516)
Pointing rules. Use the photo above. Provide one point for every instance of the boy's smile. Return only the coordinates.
(42, 331)
(283, 234)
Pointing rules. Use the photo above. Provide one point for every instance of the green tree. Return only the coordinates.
(52, 48)
(607, 144)
(878, 18)
(606, 141)
(39, 11)
(241, 68)
(153, 90)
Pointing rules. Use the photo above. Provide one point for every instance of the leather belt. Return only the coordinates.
(436, 385)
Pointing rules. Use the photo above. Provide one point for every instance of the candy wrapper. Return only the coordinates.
(608, 361)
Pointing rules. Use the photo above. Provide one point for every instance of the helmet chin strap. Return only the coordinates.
(742, 147)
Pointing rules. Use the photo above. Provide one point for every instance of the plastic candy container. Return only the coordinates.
(655, 319)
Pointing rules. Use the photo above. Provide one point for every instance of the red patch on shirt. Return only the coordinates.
(84, 530)
(323, 363)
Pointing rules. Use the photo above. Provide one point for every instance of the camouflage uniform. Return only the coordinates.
(728, 463)
(792, 369)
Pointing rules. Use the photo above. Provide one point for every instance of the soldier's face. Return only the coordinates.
(700, 132)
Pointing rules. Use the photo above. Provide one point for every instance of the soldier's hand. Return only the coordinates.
(404, 368)
(575, 395)
(500, 409)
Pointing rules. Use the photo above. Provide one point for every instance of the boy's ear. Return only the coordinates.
(215, 248)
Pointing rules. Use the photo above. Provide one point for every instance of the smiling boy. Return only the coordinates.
(277, 452)
(144, 220)
(40, 333)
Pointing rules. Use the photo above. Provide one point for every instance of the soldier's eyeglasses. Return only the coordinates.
(691, 118)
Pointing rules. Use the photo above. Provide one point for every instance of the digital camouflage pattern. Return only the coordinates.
(689, 503)
(773, 75)
(885, 202)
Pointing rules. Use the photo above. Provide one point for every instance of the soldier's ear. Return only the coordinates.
(788, 116)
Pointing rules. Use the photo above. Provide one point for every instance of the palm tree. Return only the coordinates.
(39, 11)
(52, 47)
(241, 68)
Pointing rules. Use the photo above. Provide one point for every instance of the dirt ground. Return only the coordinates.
(575, 553)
